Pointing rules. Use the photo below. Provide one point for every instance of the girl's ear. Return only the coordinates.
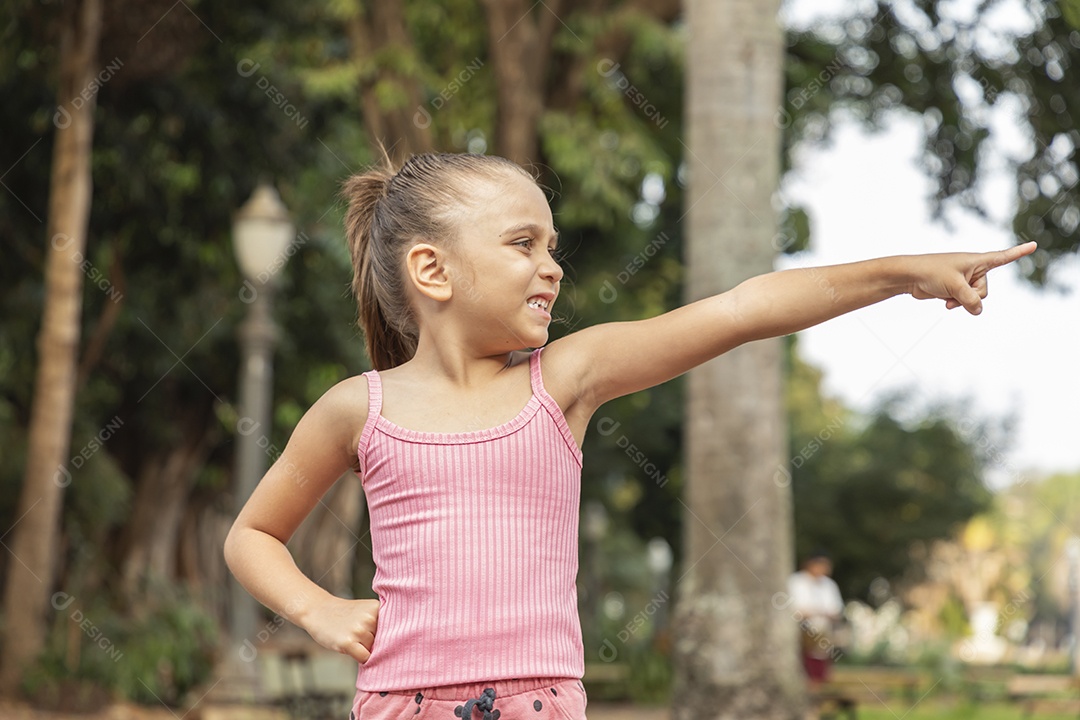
(425, 265)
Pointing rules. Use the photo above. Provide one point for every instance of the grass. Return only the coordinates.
(897, 709)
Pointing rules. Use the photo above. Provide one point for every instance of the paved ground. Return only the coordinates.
(18, 711)
(324, 671)
(627, 712)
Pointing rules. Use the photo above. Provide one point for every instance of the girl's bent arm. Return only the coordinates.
(320, 450)
(616, 359)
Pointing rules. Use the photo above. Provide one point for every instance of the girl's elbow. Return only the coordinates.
(233, 546)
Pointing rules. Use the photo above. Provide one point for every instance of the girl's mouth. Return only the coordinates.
(539, 304)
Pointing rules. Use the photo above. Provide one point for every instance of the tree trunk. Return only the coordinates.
(736, 654)
(520, 37)
(34, 537)
(370, 33)
(163, 487)
(326, 543)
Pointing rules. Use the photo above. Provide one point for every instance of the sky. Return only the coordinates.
(866, 197)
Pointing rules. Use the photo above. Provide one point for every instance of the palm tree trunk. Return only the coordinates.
(34, 537)
(737, 651)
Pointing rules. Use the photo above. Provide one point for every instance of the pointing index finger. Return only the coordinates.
(1004, 257)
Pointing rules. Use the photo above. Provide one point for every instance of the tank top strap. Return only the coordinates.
(551, 406)
(374, 410)
(534, 373)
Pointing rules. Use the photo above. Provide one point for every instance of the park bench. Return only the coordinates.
(851, 686)
(984, 683)
(1038, 694)
(607, 680)
(302, 696)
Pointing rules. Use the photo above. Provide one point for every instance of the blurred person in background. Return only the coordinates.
(817, 605)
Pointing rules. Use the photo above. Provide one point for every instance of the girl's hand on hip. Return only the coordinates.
(960, 278)
(345, 626)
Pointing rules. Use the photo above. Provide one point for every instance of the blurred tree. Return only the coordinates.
(34, 537)
(1039, 516)
(874, 490)
(734, 650)
(1013, 555)
(957, 70)
(189, 130)
(208, 98)
(203, 103)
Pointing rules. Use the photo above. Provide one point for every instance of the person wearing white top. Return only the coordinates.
(817, 604)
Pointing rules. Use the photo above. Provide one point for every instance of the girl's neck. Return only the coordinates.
(456, 369)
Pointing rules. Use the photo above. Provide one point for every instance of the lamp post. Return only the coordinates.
(262, 234)
(659, 558)
(594, 526)
(1072, 552)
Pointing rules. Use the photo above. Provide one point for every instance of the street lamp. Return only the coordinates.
(262, 233)
(262, 236)
(1072, 552)
(594, 527)
(659, 558)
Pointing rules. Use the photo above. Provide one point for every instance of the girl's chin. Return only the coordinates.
(535, 338)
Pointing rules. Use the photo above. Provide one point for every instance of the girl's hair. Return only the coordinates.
(389, 210)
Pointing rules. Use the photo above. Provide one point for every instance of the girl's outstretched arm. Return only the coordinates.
(616, 359)
(320, 450)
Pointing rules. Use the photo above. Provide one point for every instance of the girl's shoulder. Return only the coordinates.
(343, 409)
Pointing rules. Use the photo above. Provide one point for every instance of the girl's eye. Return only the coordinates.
(525, 242)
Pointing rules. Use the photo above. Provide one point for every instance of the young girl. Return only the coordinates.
(468, 443)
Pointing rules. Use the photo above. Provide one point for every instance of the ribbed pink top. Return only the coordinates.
(474, 536)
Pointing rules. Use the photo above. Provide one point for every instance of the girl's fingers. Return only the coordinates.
(971, 301)
(1004, 257)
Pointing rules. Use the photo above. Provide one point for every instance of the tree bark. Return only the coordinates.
(34, 536)
(736, 652)
(326, 543)
(520, 35)
(370, 34)
(163, 487)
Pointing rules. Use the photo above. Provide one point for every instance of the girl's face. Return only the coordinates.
(512, 278)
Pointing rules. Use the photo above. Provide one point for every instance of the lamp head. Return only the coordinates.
(262, 233)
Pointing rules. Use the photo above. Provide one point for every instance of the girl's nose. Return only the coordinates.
(551, 270)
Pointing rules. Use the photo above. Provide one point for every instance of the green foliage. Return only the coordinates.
(954, 618)
(1070, 10)
(650, 677)
(167, 652)
(950, 709)
(870, 489)
(1032, 523)
(182, 136)
(167, 649)
(915, 58)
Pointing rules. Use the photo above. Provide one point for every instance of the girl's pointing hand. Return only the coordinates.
(960, 278)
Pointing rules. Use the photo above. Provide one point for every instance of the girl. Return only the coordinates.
(468, 443)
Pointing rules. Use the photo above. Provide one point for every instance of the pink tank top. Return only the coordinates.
(475, 537)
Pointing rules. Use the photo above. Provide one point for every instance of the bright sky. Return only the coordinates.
(1021, 356)
(866, 197)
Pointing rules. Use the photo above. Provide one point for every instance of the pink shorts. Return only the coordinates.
(540, 698)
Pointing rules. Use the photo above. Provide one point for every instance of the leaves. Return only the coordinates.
(932, 63)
